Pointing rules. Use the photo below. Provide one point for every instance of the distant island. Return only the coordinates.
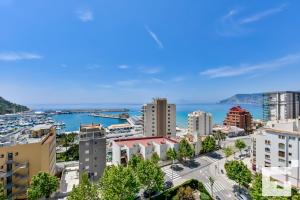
(7, 107)
(256, 99)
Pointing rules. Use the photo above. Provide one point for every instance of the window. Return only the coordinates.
(267, 157)
(267, 142)
(87, 160)
(281, 146)
(267, 149)
(292, 138)
(17, 153)
(95, 142)
(290, 145)
(281, 153)
(290, 154)
(281, 137)
(2, 156)
(87, 151)
(281, 160)
(87, 167)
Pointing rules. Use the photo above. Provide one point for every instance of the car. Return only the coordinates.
(218, 198)
(149, 193)
(240, 196)
(168, 185)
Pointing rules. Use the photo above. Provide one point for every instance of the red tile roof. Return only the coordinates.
(145, 141)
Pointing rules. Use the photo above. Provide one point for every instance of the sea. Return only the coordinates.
(73, 121)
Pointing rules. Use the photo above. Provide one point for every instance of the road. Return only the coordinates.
(203, 167)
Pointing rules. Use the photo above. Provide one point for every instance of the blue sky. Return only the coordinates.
(76, 51)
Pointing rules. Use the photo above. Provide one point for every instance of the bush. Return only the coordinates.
(204, 196)
(194, 184)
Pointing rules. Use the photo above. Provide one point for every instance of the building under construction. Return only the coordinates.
(281, 105)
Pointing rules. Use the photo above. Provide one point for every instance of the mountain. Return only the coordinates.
(244, 99)
(9, 107)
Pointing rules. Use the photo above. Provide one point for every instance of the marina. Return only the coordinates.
(113, 116)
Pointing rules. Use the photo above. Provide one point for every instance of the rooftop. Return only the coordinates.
(90, 127)
(41, 127)
(145, 141)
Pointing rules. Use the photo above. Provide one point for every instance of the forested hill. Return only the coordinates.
(244, 99)
(7, 107)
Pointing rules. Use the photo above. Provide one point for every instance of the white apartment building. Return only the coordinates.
(124, 149)
(159, 118)
(278, 145)
(200, 123)
(281, 105)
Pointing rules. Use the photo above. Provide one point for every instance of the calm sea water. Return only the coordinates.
(218, 111)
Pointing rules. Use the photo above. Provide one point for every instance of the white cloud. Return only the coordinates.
(104, 86)
(232, 24)
(261, 15)
(150, 70)
(14, 56)
(127, 83)
(178, 79)
(154, 37)
(230, 71)
(85, 15)
(123, 66)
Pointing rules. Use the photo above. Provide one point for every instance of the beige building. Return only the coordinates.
(159, 118)
(200, 123)
(23, 155)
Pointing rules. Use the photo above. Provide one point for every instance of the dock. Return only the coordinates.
(112, 116)
(71, 111)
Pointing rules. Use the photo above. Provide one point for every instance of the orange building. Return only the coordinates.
(239, 117)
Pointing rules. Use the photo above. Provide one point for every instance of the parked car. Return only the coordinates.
(149, 193)
(168, 185)
(240, 196)
(218, 198)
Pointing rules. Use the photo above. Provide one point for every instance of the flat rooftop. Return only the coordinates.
(90, 127)
(145, 141)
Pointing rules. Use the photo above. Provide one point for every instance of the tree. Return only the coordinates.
(150, 176)
(134, 161)
(208, 144)
(228, 151)
(238, 172)
(185, 150)
(155, 157)
(2, 195)
(184, 193)
(119, 183)
(42, 185)
(219, 136)
(240, 144)
(256, 188)
(85, 190)
(211, 182)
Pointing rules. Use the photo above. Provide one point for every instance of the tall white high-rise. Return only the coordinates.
(200, 123)
(159, 118)
(281, 105)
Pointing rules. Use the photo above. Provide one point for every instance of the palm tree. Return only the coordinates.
(211, 181)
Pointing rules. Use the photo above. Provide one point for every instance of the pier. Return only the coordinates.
(113, 116)
(71, 111)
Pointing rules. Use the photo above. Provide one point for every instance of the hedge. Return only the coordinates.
(193, 183)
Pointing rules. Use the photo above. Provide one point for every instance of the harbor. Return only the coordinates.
(113, 116)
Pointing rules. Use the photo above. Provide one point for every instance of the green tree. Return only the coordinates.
(238, 172)
(85, 190)
(228, 151)
(219, 136)
(208, 144)
(2, 195)
(240, 145)
(185, 150)
(171, 154)
(155, 157)
(184, 193)
(150, 176)
(42, 185)
(119, 183)
(256, 188)
(134, 161)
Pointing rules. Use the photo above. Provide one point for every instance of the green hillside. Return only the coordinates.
(9, 107)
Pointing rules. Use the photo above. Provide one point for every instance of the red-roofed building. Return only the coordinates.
(124, 149)
(239, 117)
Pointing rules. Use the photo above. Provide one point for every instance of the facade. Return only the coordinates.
(124, 149)
(24, 155)
(200, 123)
(277, 145)
(239, 117)
(281, 105)
(92, 151)
(159, 118)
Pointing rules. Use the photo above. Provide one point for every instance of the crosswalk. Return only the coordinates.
(168, 172)
(210, 159)
(217, 187)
